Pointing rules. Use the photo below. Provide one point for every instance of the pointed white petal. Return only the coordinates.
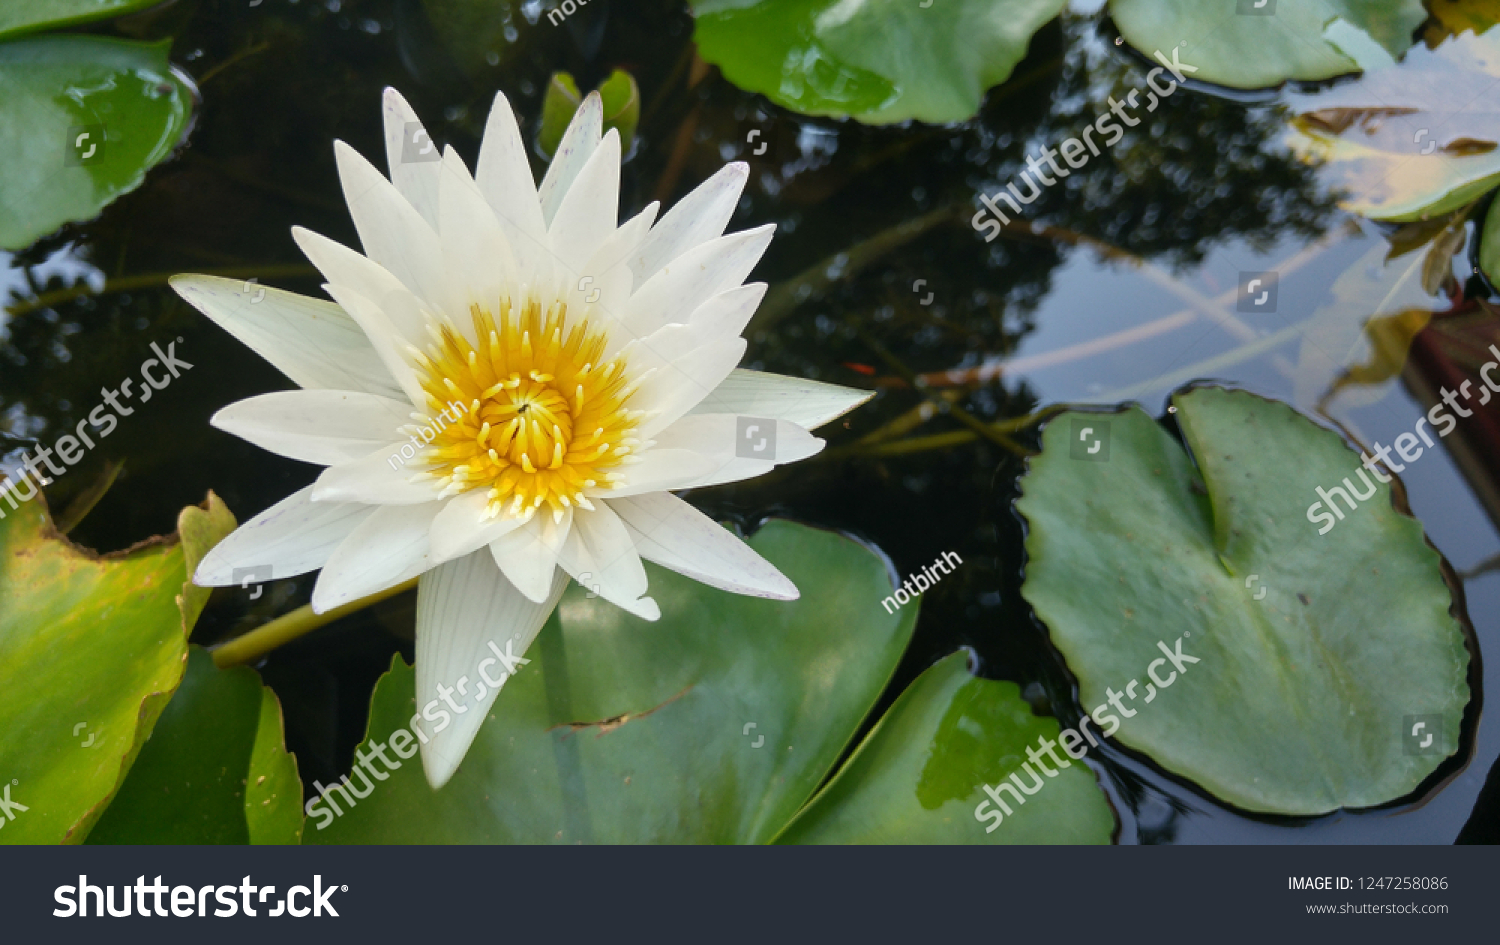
(664, 348)
(727, 314)
(675, 535)
(411, 155)
(388, 343)
(467, 613)
(573, 152)
(387, 548)
(480, 267)
(528, 555)
(697, 218)
(588, 212)
(809, 404)
(600, 554)
(603, 290)
(461, 527)
(695, 277)
(660, 470)
(313, 342)
(504, 177)
(391, 232)
(292, 537)
(381, 478)
(316, 426)
(342, 266)
(678, 386)
(740, 451)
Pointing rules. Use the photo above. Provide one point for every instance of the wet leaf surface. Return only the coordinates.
(91, 650)
(919, 775)
(880, 62)
(1287, 664)
(85, 118)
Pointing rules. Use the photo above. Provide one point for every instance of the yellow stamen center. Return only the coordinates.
(543, 417)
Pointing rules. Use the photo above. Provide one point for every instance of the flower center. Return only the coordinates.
(540, 418)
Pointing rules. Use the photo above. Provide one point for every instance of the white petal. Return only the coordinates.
(740, 450)
(292, 537)
(480, 267)
(695, 277)
(391, 232)
(528, 555)
(316, 426)
(466, 613)
(697, 218)
(675, 388)
(387, 548)
(411, 155)
(573, 152)
(664, 348)
(504, 177)
(600, 554)
(660, 470)
(588, 212)
(381, 478)
(389, 345)
(342, 266)
(727, 314)
(809, 404)
(603, 290)
(461, 527)
(313, 342)
(675, 535)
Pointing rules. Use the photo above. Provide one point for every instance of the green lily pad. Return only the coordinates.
(711, 725)
(1305, 656)
(91, 649)
(82, 118)
(881, 61)
(215, 770)
(26, 16)
(1414, 140)
(919, 776)
(1236, 43)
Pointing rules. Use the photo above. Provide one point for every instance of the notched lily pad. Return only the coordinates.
(215, 769)
(82, 118)
(879, 62)
(919, 776)
(1316, 654)
(91, 649)
(1246, 45)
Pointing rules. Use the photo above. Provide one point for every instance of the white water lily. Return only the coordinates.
(507, 386)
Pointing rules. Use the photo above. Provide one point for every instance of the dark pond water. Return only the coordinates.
(1101, 304)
